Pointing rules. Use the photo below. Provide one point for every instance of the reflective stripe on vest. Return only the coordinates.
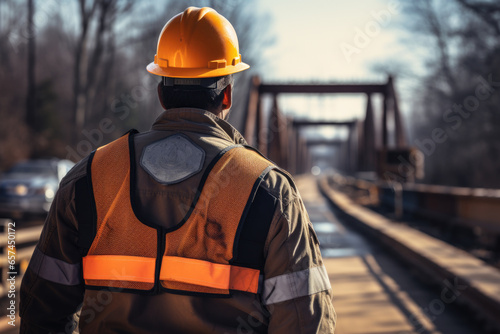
(119, 267)
(209, 274)
(197, 255)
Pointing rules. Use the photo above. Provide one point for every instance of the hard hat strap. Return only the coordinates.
(218, 83)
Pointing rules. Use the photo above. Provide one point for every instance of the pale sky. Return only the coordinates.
(310, 35)
(333, 41)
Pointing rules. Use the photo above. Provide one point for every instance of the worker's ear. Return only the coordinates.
(228, 97)
(160, 95)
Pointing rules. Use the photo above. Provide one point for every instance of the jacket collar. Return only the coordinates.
(197, 120)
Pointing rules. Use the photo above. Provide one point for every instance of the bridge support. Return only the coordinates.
(279, 138)
(367, 151)
(278, 141)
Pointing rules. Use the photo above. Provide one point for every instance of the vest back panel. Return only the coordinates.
(210, 232)
(196, 257)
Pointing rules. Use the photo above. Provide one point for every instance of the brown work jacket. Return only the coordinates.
(294, 293)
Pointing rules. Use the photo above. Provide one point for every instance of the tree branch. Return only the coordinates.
(485, 11)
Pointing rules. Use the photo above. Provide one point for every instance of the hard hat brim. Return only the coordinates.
(177, 72)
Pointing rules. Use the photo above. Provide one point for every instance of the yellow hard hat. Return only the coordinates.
(198, 43)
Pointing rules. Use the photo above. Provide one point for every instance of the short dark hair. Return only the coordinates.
(193, 96)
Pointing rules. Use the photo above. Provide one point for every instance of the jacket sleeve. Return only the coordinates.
(296, 289)
(52, 288)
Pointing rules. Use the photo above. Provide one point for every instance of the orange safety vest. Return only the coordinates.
(193, 257)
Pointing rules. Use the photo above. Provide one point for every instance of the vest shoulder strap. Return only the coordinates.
(252, 233)
(85, 208)
(256, 220)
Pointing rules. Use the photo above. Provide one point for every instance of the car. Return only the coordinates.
(29, 187)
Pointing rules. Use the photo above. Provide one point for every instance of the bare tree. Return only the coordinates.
(89, 57)
(31, 97)
(87, 11)
(427, 21)
(467, 154)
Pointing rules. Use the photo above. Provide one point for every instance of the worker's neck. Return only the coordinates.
(221, 113)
